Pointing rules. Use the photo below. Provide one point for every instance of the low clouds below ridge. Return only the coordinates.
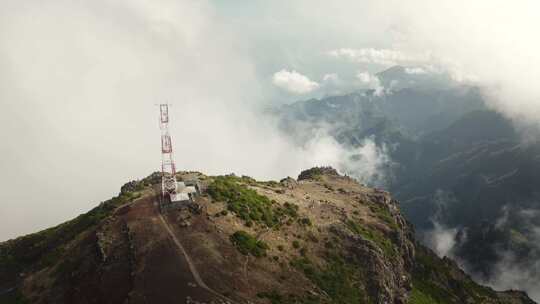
(294, 82)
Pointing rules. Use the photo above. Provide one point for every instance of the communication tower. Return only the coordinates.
(168, 168)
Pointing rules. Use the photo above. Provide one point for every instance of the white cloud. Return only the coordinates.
(442, 239)
(371, 81)
(415, 70)
(294, 82)
(368, 163)
(515, 271)
(512, 273)
(331, 78)
(385, 57)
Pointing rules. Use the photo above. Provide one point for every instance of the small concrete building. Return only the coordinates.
(185, 192)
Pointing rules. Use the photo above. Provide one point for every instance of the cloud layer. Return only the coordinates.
(384, 57)
(294, 82)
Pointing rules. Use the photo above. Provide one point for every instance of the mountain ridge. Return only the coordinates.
(322, 238)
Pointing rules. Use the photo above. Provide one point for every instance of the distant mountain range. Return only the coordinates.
(460, 169)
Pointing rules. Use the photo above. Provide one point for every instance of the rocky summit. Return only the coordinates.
(321, 238)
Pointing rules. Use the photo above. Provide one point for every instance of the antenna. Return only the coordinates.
(168, 168)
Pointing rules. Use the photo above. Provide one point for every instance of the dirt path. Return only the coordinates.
(190, 263)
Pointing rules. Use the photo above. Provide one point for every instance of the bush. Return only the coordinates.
(247, 244)
(305, 221)
(247, 204)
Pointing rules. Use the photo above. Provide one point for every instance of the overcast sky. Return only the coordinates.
(79, 80)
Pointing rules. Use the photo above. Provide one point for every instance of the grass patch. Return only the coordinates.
(384, 214)
(375, 236)
(418, 297)
(426, 289)
(247, 244)
(430, 269)
(340, 281)
(247, 204)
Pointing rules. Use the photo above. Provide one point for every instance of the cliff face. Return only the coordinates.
(320, 239)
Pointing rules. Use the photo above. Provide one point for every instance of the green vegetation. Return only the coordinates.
(375, 236)
(287, 210)
(244, 202)
(45, 248)
(425, 290)
(316, 173)
(247, 203)
(340, 281)
(305, 221)
(384, 214)
(296, 244)
(276, 298)
(418, 297)
(433, 280)
(247, 244)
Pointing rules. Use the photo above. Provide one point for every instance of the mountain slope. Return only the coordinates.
(465, 178)
(320, 239)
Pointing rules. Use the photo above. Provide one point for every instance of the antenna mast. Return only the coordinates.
(168, 168)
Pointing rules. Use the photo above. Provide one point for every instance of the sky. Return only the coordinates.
(79, 81)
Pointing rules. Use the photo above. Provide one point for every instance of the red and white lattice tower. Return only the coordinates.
(168, 169)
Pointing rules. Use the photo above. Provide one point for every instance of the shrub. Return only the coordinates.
(247, 244)
(247, 204)
(305, 221)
